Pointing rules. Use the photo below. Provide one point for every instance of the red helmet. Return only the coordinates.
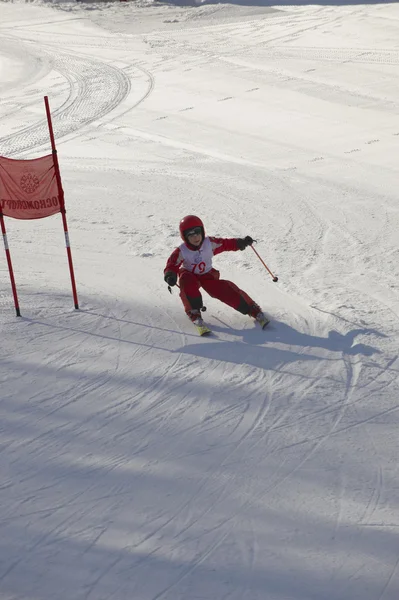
(189, 222)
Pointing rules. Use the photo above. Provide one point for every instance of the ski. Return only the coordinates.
(201, 327)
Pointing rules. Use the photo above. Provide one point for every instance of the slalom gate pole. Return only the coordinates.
(62, 202)
(10, 269)
(265, 265)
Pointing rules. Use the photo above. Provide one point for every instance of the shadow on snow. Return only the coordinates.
(270, 354)
(128, 482)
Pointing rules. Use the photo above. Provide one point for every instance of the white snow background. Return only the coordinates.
(138, 460)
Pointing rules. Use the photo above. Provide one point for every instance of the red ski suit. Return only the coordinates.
(194, 267)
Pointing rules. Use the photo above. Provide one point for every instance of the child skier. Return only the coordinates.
(191, 262)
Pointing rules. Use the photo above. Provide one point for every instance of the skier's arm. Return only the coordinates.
(229, 244)
(172, 267)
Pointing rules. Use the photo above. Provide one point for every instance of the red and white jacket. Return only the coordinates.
(199, 261)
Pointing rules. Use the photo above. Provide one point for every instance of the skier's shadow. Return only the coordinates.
(282, 333)
(263, 348)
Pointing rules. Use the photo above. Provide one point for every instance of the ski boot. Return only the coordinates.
(256, 313)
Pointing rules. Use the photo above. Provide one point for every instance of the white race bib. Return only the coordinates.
(197, 261)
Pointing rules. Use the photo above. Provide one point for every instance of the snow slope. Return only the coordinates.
(139, 461)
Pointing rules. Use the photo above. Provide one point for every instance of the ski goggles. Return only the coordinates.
(193, 231)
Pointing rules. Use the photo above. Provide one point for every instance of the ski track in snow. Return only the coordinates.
(141, 460)
(93, 89)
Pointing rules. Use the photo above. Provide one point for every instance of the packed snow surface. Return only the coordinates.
(138, 460)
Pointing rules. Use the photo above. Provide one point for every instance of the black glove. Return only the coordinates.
(243, 243)
(171, 278)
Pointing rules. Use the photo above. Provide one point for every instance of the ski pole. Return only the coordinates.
(265, 265)
(170, 289)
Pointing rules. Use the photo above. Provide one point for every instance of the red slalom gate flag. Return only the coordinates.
(28, 188)
(32, 189)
